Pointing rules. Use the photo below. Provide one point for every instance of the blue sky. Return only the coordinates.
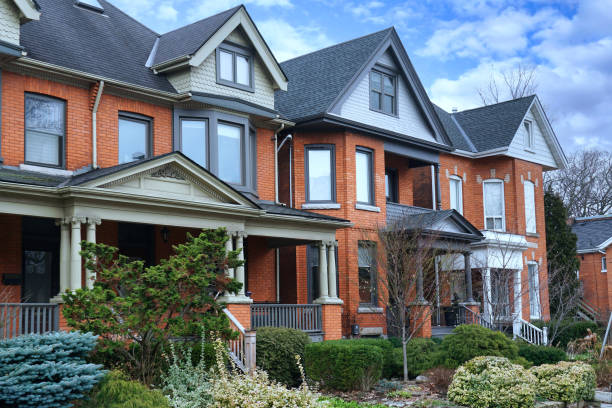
(456, 46)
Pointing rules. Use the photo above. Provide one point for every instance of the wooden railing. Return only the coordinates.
(242, 349)
(307, 318)
(530, 333)
(24, 318)
(468, 316)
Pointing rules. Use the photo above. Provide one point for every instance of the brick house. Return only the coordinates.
(135, 139)
(595, 253)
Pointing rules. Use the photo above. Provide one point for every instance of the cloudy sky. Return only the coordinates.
(457, 46)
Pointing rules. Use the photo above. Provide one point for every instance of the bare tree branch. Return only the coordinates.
(517, 82)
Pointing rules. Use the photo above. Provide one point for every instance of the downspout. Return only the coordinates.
(276, 132)
(94, 127)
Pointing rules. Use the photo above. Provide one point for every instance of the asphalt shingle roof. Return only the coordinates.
(415, 217)
(188, 39)
(592, 233)
(488, 127)
(32, 178)
(316, 79)
(282, 210)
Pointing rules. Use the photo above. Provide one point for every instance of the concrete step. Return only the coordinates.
(441, 331)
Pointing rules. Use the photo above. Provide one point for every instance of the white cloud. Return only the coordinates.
(204, 8)
(379, 13)
(288, 41)
(166, 11)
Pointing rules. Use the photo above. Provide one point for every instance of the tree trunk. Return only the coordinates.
(404, 341)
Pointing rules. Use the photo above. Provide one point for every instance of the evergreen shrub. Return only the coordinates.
(343, 366)
(565, 381)
(276, 351)
(571, 330)
(386, 346)
(47, 370)
(538, 355)
(420, 356)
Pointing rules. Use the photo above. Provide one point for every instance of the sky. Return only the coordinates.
(456, 46)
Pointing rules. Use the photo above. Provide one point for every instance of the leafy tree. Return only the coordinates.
(136, 309)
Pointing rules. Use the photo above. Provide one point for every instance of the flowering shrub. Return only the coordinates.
(492, 382)
(565, 381)
(255, 390)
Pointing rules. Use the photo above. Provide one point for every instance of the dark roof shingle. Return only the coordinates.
(592, 233)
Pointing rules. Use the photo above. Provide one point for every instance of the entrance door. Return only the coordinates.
(40, 259)
(37, 275)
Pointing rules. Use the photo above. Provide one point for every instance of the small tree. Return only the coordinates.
(136, 309)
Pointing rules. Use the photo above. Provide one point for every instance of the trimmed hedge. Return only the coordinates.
(276, 351)
(420, 356)
(343, 366)
(566, 381)
(538, 355)
(384, 345)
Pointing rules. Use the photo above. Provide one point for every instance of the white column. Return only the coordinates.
(323, 283)
(518, 304)
(64, 262)
(331, 269)
(91, 237)
(75, 256)
(229, 246)
(240, 270)
(486, 289)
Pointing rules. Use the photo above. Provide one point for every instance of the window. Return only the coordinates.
(604, 266)
(530, 215)
(529, 140)
(45, 130)
(456, 194)
(235, 67)
(494, 205)
(194, 140)
(391, 190)
(230, 152)
(534, 290)
(320, 174)
(134, 137)
(363, 176)
(367, 273)
(382, 92)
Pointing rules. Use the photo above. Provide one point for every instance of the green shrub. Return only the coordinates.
(570, 330)
(565, 381)
(340, 403)
(343, 365)
(420, 356)
(469, 341)
(539, 355)
(186, 384)
(384, 345)
(276, 351)
(117, 391)
(492, 382)
(47, 370)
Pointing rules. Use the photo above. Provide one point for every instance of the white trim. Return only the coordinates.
(537, 291)
(459, 203)
(27, 9)
(46, 170)
(530, 142)
(367, 207)
(321, 206)
(604, 264)
(503, 203)
(529, 184)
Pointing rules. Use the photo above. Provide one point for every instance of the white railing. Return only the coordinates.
(530, 333)
(307, 318)
(24, 318)
(242, 349)
(468, 316)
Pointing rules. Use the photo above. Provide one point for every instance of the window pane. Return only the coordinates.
(319, 175)
(193, 140)
(45, 115)
(376, 81)
(363, 176)
(230, 153)
(367, 277)
(387, 104)
(133, 137)
(453, 194)
(493, 199)
(374, 100)
(388, 84)
(365, 286)
(242, 70)
(530, 216)
(42, 148)
(226, 68)
(387, 187)
(534, 290)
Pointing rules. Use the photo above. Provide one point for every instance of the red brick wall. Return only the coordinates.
(422, 194)
(405, 178)
(265, 164)
(595, 283)
(261, 265)
(10, 256)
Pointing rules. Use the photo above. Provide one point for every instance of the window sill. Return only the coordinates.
(367, 207)
(370, 309)
(532, 234)
(604, 271)
(320, 206)
(47, 170)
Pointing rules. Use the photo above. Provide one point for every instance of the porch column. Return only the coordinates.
(486, 290)
(437, 181)
(518, 304)
(75, 256)
(323, 284)
(64, 271)
(331, 269)
(469, 296)
(240, 236)
(91, 237)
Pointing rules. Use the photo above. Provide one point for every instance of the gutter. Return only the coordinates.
(94, 133)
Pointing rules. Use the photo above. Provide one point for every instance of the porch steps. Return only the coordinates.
(440, 332)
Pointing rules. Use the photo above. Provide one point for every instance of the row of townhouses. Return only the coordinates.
(113, 133)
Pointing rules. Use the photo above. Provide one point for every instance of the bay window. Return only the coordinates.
(320, 174)
(456, 194)
(530, 214)
(194, 140)
(230, 142)
(364, 176)
(493, 191)
(45, 130)
(134, 137)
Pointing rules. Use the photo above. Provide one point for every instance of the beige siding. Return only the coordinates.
(541, 153)
(9, 22)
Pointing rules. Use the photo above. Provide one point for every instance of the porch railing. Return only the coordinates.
(307, 318)
(24, 318)
(530, 333)
(468, 316)
(242, 349)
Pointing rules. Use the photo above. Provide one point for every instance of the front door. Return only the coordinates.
(40, 259)
(37, 275)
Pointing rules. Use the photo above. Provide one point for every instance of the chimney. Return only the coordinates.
(455, 110)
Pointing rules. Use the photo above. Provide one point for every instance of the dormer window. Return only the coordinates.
(382, 92)
(235, 67)
(529, 140)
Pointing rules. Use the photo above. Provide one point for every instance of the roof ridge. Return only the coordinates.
(235, 8)
(132, 18)
(340, 43)
(495, 104)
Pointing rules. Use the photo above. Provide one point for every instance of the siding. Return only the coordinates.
(9, 22)
(541, 153)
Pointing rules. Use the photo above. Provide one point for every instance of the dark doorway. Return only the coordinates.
(40, 257)
(137, 242)
(312, 263)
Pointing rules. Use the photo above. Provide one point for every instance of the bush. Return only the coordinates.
(565, 381)
(539, 355)
(385, 346)
(186, 384)
(440, 379)
(571, 330)
(340, 403)
(492, 382)
(276, 351)
(117, 391)
(344, 365)
(469, 341)
(420, 356)
(47, 370)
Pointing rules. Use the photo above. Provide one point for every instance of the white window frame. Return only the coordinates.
(604, 265)
(459, 198)
(530, 227)
(503, 206)
(536, 285)
(529, 137)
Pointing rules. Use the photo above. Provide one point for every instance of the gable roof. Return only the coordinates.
(593, 233)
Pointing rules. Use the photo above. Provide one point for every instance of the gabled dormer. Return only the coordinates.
(223, 55)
